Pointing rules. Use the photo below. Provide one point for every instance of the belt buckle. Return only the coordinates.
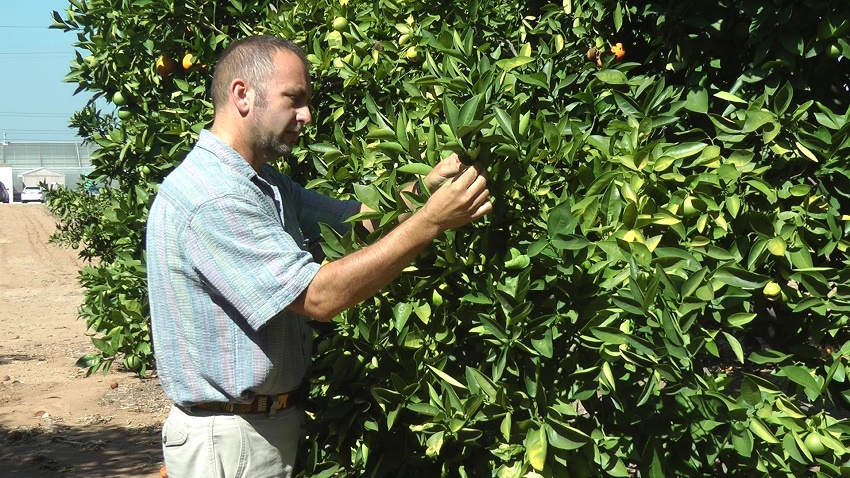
(279, 403)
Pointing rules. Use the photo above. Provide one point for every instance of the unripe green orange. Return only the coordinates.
(412, 54)
(340, 24)
(814, 444)
(132, 363)
(772, 290)
(118, 99)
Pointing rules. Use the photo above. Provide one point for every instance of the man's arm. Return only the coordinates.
(347, 281)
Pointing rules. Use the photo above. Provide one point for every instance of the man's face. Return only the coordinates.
(284, 110)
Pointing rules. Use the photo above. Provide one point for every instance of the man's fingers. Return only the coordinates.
(484, 207)
(468, 175)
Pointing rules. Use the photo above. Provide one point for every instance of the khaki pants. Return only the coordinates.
(206, 444)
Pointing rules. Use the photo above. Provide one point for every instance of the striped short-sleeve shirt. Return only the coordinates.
(227, 252)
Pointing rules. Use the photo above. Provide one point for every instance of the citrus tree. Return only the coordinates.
(661, 290)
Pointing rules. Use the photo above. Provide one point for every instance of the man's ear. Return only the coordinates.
(241, 96)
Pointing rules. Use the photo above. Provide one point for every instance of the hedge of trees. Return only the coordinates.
(662, 289)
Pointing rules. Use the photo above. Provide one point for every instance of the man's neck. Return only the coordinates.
(234, 137)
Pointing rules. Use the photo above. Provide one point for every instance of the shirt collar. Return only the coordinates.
(227, 155)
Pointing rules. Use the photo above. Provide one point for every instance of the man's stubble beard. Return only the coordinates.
(269, 146)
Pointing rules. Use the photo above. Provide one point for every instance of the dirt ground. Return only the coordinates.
(55, 421)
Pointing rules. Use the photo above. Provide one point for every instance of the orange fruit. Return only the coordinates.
(772, 290)
(132, 363)
(164, 66)
(814, 444)
(340, 24)
(412, 54)
(119, 99)
(163, 473)
(618, 50)
(188, 60)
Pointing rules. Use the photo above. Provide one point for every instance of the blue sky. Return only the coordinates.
(35, 104)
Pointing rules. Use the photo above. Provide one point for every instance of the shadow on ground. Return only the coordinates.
(100, 451)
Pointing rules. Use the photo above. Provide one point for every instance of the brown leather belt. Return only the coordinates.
(261, 404)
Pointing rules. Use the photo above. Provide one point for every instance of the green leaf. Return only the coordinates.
(697, 101)
(768, 356)
(561, 221)
(741, 319)
(452, 113)
(735, 346)
(760, 430)
(536, 447)
(737, 277)
(684, 150)
(88, 361)
(801, 376)
(565, 437)
(368, 195)
(729, 97)
(483, 382)
(401, 312)
(693, 282)
(757, 119)
(419, 169)
(468, 113)
(612, 77)
(509, 64)
(805, 151)
(544, 346)
(446, 377)
(505, 123)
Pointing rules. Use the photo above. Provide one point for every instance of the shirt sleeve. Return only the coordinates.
(313, 207)
(316, 208)
(246, 258)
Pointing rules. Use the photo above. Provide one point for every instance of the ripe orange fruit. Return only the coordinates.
(188, 60)
(164, 66)
(163, 473)
(618, 50)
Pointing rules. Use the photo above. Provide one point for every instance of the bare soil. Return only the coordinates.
(55, 421)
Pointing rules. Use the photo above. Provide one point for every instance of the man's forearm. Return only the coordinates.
(347, 281)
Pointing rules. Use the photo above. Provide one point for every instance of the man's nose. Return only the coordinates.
(304, 115)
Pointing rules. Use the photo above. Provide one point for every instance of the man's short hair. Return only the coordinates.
(252, 59)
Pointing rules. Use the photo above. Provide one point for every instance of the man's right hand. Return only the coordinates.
(459, 201)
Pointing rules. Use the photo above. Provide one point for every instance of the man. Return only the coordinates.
(232, 284)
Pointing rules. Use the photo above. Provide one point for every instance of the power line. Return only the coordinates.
(25, 27)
